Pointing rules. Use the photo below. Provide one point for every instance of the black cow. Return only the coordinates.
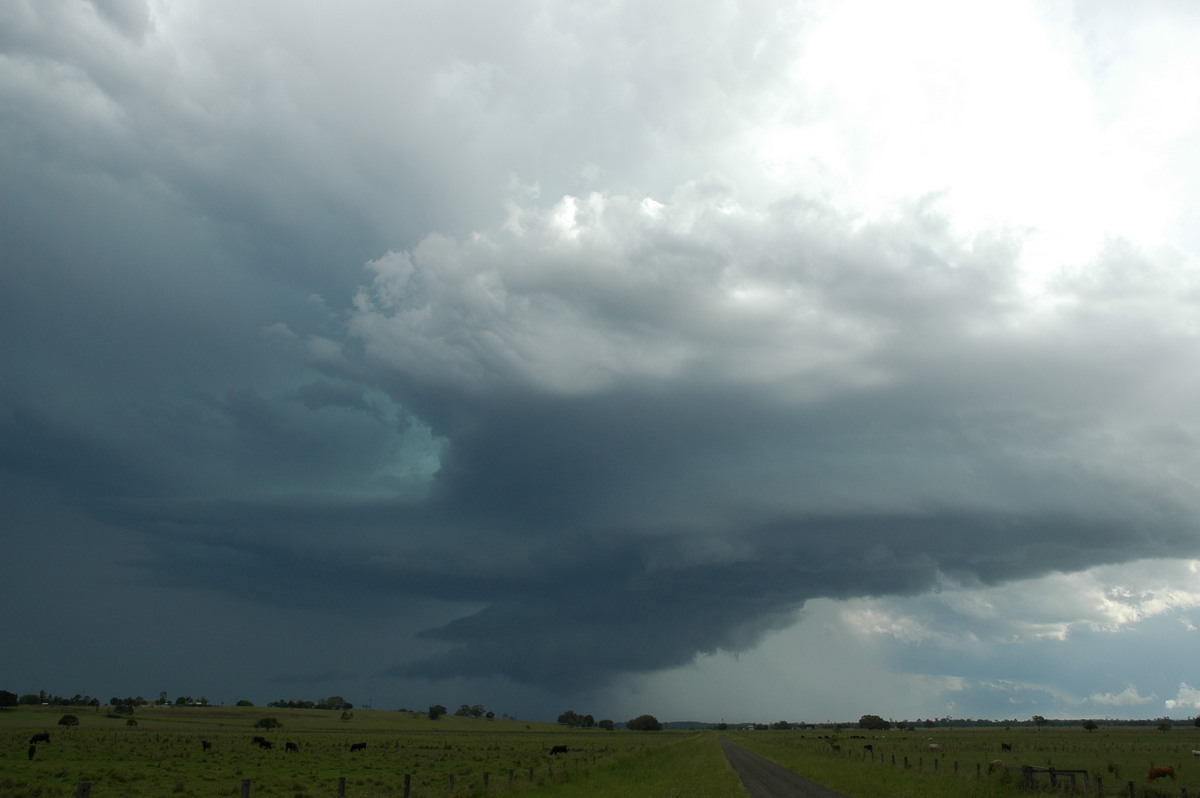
(266, 745)
(1005, 746)
(260, 740)
(291, 747)
(558, 749)
(358, 746)
(42, 737)
(205, 745)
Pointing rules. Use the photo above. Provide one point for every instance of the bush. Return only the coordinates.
(68, 720)
(644, 723)
(267, 723)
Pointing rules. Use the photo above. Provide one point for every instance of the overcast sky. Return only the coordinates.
(747, 360)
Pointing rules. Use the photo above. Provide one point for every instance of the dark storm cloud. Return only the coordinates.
(610, 430)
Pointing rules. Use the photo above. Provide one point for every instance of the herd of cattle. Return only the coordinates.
(261, 742)
(997, 765)
(291, 747)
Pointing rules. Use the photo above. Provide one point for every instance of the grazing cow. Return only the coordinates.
(205, 745)
(260, 740)
(358, 746)
(32, 751)
(995, 765)
(868, 747)
(1158, 773)
(41, 737)
(1005, 746)
(1195, 753)
(558, 749)
(266, 745)
(934, 747)
(291, 748)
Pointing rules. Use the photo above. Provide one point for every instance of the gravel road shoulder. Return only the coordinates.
(766, 779)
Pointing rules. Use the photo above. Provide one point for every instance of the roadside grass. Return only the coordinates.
(687, 767)
(1116, 756)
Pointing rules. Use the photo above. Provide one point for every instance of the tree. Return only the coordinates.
(244, 703)
(644, 723)
(464, 711)
(68, 720)
(570, 718)
(1039, 720)
(781, 725)
(874, 722)
(267, 723)
(606, 724)
(436, 711)
(1164, 727)
(1090, 725)
(7, 699)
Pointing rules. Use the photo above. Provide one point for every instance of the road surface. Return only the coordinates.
(765, 779)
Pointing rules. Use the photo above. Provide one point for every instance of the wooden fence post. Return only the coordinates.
(342, 787)
(510, 776)
(245, 788)
(407, 784)
(452, 784)
(84, 790)
(1131, 789)
(486, 778)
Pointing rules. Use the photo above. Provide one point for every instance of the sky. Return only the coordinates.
(746, 361)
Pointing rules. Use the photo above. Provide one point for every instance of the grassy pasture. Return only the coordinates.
(163, 756)
(1117, 755)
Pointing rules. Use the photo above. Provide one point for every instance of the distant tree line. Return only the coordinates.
(333, 702)
(575, 720)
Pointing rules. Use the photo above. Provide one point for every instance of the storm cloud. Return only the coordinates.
(564, 346)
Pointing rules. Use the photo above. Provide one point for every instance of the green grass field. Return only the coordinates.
(163, 756)
(1115, 756)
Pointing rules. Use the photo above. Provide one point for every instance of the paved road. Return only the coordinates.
(765, 779)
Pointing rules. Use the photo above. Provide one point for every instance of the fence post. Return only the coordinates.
(486, 778)
(1053, 778)
(342, 787)
(977, 768)
(510, 776)
(1131, 789)
(407, 784)
(245, 788)
(531, 775)
(1027, 776)
(452, 784)
(84, 790)
(906, 762)
(1099, 785)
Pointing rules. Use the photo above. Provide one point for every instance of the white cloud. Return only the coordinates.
(1188, 698)
(1127, 697)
